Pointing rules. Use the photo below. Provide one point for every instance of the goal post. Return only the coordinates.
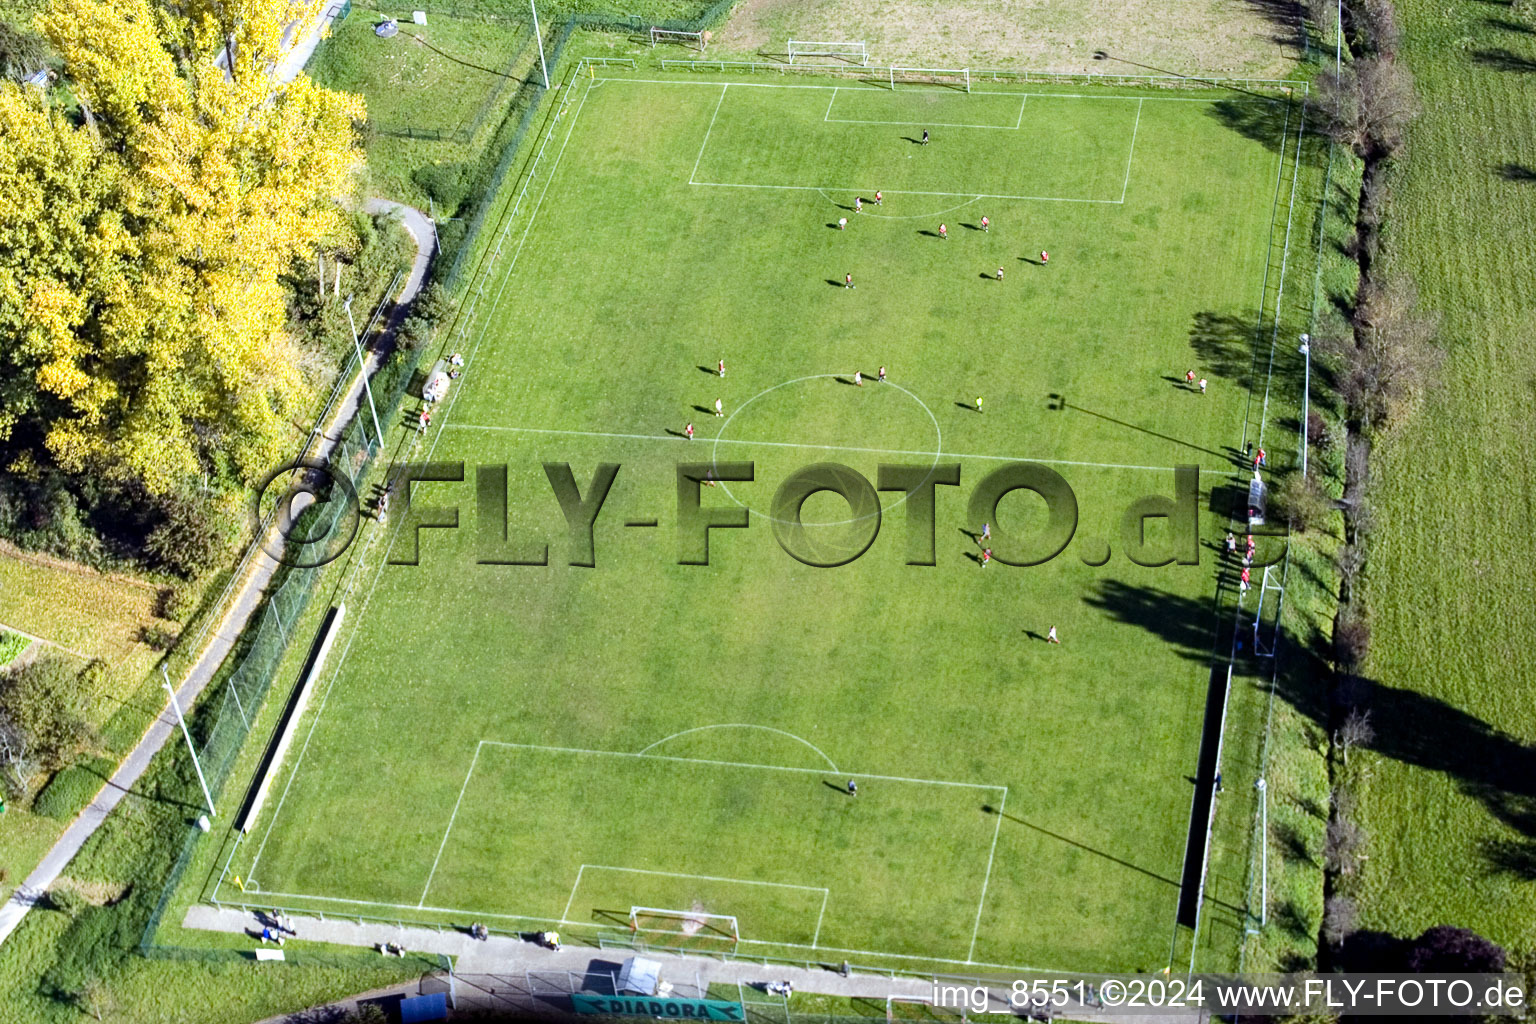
(692, 40)
(854, 52)
(958, 78)
(660, 924)
(1272, 593)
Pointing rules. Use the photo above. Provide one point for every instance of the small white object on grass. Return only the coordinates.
(203, 822)
(420, 17)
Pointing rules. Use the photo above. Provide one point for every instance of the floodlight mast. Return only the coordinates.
(363, 368)
(1263, 789)
(539, 41)
(1306, 392)
(190, 748)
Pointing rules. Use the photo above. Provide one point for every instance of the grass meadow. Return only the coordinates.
(558, 742)
(435, 102)
(1452, 802)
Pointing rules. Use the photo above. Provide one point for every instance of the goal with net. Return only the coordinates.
(692, 40)
(852, 52)
(663, 926)
(957, 78)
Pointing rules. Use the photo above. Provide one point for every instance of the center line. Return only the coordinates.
(821, 447)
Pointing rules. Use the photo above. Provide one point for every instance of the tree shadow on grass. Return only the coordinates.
(1286, 17)
(1245, 350)
(1487, 764)
(1500, 59)
(1059, 403)
(1510, 26)
(989, 809)
(1262, 120)
(1516, 172)
(1228, 345)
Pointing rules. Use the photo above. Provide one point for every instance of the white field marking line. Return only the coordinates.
(389, 546)
(566, 913)
(907, 216)
(490, 315)
(234, 848)
(444, 844)
(986, 879)
(907, 192)
(1022, 100)
(705, 878)
(1131, 154)
(705, 144)
(737, 764)
(1285, 256)
(825, 892)
(947, 92)
(743, 725)
(1258, 327)
(931, 124)
(754, 942)
(828, 115)
(829, 448)
(397, 906)
(938, 450)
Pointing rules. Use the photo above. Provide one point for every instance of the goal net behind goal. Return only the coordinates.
(692, 40)
(851, 52)
(661, 926)
(954, 78)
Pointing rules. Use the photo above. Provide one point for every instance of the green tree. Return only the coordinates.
(43, 704)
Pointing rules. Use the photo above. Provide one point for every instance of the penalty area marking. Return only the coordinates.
(1131, 153)
(827, 118)
(905, 216)
(861, 190)
(668, 757)
(822, 447)
(815, 936)
(970, 197)
(743, 725)
(705, 144)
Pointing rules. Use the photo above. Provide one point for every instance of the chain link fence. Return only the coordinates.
(223, 720)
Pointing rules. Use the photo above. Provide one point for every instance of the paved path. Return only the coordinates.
(507, 974)
(296, 52)
(247, 598)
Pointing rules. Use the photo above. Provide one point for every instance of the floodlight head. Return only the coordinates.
(1100, 54)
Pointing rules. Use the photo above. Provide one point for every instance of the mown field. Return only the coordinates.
(1452, 806)
(727, 699)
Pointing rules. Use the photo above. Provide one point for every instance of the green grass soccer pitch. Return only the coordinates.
(551, 745)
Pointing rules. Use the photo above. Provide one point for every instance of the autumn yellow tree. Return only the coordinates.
(141, 315)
